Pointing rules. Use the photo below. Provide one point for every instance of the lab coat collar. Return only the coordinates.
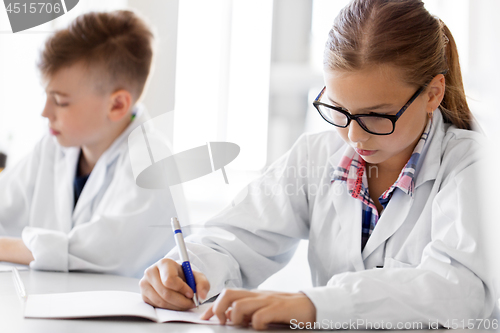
(430, 159)
(399, 206)
(98, 175)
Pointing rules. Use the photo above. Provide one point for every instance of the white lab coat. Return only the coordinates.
(115, 226)
(428, 244)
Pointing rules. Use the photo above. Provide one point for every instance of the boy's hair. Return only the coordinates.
(115, 46)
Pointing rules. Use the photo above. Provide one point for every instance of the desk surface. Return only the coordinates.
(36, 282)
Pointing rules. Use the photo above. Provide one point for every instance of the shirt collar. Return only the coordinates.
(351, 169)
(406, 179)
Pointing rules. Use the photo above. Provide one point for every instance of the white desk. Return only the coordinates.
(36, 282)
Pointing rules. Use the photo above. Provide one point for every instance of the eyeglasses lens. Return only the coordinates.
(373, 124)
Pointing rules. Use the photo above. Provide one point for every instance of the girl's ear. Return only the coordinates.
(435, 93)
(120, 101)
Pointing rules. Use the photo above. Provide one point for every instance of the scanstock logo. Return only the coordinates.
(28, 14)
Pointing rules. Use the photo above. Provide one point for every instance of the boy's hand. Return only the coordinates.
(261, 308)
(164, 286)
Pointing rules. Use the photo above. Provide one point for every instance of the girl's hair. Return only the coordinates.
(405, 34)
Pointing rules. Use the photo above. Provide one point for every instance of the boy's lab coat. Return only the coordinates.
(428, 245)
(116, 227)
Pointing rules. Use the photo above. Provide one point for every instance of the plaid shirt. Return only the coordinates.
(351, 169)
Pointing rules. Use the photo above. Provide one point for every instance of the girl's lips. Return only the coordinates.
(54, 132)
(364, 152)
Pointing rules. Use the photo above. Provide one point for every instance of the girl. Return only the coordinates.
(389, 204)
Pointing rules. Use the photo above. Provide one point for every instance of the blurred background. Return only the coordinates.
(244, 71)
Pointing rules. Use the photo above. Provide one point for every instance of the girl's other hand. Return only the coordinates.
(261, 308)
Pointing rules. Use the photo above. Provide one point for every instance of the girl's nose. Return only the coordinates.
(356, 133)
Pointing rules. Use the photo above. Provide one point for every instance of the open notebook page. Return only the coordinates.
(87, 305)
(92, 304)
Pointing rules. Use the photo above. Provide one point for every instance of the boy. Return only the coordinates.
(73, 204)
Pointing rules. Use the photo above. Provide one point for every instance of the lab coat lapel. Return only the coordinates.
(65, 171)
(84, 210)
(348, 214)
(391, 219)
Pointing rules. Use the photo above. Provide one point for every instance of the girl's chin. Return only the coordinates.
(370, 158)
(373, 159)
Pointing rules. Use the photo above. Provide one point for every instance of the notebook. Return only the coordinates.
(93, 304)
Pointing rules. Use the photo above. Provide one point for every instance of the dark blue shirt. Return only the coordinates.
(78, 185)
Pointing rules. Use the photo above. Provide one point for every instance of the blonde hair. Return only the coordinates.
(115, 45)
(405, 34)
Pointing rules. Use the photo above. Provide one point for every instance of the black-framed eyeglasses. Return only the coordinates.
(378, 124)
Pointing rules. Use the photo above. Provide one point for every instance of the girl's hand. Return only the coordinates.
(261, 308)
(164, 286)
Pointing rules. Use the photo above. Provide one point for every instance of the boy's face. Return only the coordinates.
(77, 113)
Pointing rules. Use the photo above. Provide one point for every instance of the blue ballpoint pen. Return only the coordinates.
(186, 266)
